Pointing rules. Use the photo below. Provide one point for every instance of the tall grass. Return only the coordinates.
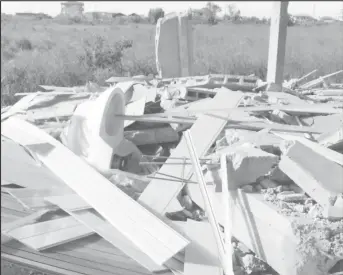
(45, 52)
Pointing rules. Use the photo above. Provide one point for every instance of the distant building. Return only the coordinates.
(72, 8)
(31, 15)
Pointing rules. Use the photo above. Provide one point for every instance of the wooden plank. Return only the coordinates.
(228, 214)
(201, 256)
(137, 224)
(204, 139)
(208, 205)
(32, 174)
(277, 43)
(24, 221)
(34, 198)
(49, 234)
(36, 265)
(93, 221)
(65, 264)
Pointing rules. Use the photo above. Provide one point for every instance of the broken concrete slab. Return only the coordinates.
(249, 163)
(174, 38)
(324, 170)
(314, 187)
(255, 221)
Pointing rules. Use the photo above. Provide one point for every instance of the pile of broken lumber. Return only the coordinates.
(196, 175)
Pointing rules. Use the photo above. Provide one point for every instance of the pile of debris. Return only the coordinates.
(199, 175)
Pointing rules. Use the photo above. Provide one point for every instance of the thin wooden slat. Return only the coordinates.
(34, 198)
(137, 224)
(37, 265)
(63, 267)
(81, 256)
(201, 256)
(41, 228)
(24, 221)
(208, 205)
(228, 214)
(93, 221)
(206, 129)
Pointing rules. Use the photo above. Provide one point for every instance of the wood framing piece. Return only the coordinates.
(34, 198)
(208, 205)
(228, 214)
(44, 235)
(277, 43)
(77, 208)
(201, 256)
(149, 233)
(205, 130)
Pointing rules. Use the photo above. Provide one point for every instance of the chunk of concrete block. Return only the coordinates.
(281, 117)
(328, 173)
(249, 164)
(174, 46)
(308, 182)
(152, 136)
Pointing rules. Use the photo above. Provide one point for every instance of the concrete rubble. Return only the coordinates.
(287, 195)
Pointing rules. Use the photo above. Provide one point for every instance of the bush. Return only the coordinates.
(100, 55)
(155, 14)
(24, 44)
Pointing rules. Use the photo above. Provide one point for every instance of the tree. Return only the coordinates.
(155, 14)
(210, 12)
(233, 13)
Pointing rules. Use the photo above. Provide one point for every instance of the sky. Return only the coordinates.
(256, 8)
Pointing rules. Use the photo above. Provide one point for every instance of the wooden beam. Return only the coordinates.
(277, 43)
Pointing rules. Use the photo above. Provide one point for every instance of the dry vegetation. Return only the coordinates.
(47, 52)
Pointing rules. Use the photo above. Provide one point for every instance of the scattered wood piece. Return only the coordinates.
(227, 203)
(34, 198)
(204, 139)
(51, 233)
(319, 80)
(201, 255)
(208, 206)
(90, 219)
(138, 225)
(32, 218)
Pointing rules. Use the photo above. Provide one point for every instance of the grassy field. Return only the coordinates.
(45, 52)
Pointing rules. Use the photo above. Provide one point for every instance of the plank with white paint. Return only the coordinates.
(44, 235)
(90, 219)
(137, 224)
